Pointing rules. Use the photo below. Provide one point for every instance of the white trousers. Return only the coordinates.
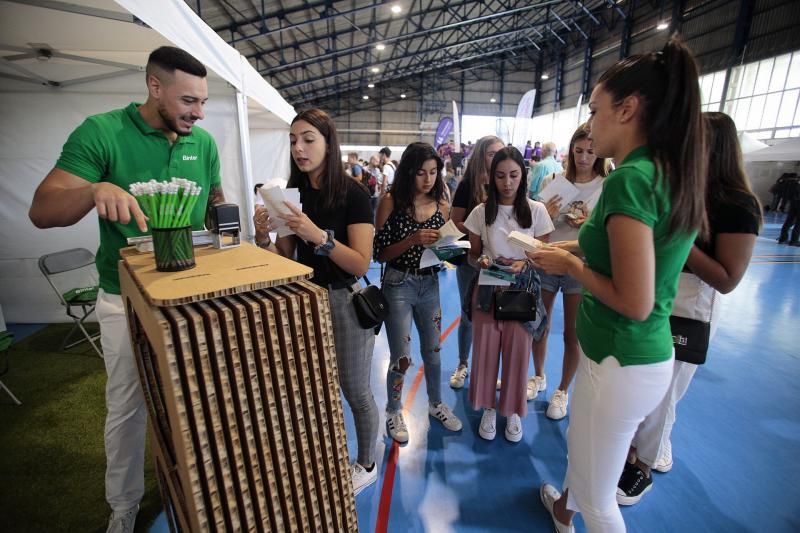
(609, 402)
(126, 414)
(656, 429)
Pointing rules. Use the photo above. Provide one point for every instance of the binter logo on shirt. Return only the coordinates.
(190, 158)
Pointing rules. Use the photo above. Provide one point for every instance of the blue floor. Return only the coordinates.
(735, 444)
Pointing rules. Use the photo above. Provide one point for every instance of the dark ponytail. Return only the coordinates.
(668, 83)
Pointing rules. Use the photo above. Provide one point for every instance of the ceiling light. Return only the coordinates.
(380, 47)
(545, 77)
(396, 9)
(662, 26)
(402, 95)
(375, 70)
(365, 97)
(371, 85)
(492, 100)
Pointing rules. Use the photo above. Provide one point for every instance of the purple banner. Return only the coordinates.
(442, 131)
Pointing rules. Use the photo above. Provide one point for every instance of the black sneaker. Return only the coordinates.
(633, 484)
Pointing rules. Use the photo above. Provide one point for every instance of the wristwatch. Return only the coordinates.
(327, 245)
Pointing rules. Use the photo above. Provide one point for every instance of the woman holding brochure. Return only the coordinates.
(408, 220)
(333, 235)
(506, 209)
(581, 184)
(645, 114)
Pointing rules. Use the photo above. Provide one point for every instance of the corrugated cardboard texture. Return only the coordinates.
(246, 419)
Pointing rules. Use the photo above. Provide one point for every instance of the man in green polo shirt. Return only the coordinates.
(101, 158)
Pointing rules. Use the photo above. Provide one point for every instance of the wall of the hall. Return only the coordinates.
(708, 27)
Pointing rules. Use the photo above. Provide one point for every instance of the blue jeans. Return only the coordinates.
(412, 296)
(464, 276)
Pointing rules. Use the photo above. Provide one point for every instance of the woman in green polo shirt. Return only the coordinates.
(645, 113)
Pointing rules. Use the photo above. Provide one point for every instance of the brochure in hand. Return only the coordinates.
(525, 241)
(274, 198)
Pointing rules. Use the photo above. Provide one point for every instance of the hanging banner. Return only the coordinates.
(456, 127)
(442, 132)
(578, 120)
(522, 122)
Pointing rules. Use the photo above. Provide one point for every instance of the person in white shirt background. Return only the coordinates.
(585, 171)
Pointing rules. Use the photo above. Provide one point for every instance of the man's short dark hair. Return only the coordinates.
(385, 151)
(170, 59)
(257, 186)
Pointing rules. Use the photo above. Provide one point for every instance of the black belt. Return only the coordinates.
(349, 282)
(427, 271)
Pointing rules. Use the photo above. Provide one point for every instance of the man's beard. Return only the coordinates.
(172, 122)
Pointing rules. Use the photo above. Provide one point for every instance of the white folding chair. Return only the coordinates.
(79, 303)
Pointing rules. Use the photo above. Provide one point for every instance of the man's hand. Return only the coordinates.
(114, 204)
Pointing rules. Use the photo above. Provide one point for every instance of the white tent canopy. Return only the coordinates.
(787, 150)
(62, 62)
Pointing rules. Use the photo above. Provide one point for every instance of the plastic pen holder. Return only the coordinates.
(173, 249)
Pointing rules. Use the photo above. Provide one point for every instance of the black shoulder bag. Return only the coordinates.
(371, 306)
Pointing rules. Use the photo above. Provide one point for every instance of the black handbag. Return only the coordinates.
(690, 338)
(515, 304)
(690, 321)
(370, 305)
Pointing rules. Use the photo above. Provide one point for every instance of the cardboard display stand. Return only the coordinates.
(237, 363)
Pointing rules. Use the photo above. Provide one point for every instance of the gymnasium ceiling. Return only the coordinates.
(320, 51)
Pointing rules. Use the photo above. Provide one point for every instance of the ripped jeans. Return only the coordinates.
(412, 296)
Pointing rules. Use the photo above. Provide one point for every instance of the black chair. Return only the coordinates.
(6, 338)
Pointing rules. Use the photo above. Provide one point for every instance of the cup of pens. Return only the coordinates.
(168, 206)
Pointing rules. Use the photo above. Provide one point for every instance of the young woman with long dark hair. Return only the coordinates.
(470, 193)
(408, 219)
(333, 235)
(507, 208)
(587, 172)
(645, 114)
(716, 263)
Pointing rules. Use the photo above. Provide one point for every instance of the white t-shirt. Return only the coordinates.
(388, 170)
(495, 237)
(590, 193)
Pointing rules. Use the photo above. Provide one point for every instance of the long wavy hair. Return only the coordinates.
(333, 180)
(726, 174)
(476, 169)
(667, 83)
(522, 209)
(601, 165)
(404, 185)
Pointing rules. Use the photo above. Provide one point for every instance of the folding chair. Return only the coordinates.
(6, 337)
(78, 302)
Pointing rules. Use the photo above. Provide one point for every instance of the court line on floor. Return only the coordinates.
(382, 523)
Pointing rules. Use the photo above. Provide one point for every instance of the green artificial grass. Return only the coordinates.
(52, 459)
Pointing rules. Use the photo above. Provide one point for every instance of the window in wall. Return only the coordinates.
(763, 95)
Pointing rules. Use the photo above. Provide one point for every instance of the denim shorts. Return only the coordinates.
(567, 284)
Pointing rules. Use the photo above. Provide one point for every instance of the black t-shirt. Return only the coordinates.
(461, 197)
(355, 210)
(738, 215)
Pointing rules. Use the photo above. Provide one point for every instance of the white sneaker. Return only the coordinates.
(664, 463)
(458, 377)
(488, 427)
(536, 384)
(513, 428)
(396, 426)
(558, 405)
(122, 521)
(443, 414)
(361, 477)
(548, 494)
